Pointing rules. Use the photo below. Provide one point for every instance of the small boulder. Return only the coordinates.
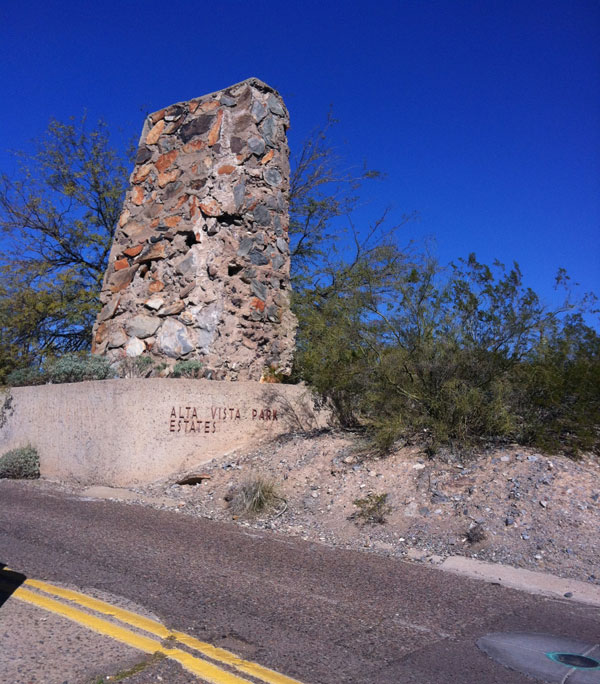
(142, 326)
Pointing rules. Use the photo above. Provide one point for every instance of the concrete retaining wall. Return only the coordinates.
(127, 432)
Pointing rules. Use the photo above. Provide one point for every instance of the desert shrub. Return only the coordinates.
(74, 367)
(78, 368)
(24, 377)
(188, 369)
(20, 464)
(453, 358)
(136, 367)
(558, 391)
(256, 496)
(272, 376)
(372, 509)
(476, 534)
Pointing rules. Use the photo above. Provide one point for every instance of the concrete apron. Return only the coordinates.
(129, 432)
(530, 581)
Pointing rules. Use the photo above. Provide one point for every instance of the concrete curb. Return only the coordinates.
(523, 580)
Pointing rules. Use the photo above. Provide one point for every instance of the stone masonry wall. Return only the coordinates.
(199, 267)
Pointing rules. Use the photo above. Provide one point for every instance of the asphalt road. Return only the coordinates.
(317, 614)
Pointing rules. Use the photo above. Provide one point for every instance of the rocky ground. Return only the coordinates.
(509, 505)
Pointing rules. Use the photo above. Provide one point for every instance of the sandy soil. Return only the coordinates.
(510, 505)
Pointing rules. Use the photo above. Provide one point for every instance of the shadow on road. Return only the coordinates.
(9, 582)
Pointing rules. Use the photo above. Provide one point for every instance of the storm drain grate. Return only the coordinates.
(581, 662)
(547, 657)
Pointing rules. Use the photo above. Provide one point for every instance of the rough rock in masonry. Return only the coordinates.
(199, 266)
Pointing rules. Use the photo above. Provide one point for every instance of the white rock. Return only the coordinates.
(135, 347)
(155, 303)
(174, 340)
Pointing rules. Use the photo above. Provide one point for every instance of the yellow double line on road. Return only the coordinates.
(199, 666)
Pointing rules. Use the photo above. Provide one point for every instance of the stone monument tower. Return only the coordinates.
(199, 266)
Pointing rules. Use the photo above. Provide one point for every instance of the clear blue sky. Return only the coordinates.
(485, 115)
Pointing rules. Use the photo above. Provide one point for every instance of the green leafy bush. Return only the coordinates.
(22, 377)
(188, 369)
(72, 181)
(74, 367)
(449, 358)
(78, 368)
(557, 393)
(20, 464)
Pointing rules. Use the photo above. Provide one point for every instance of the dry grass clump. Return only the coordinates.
(254, 497)
(371, 510)
(476, 534)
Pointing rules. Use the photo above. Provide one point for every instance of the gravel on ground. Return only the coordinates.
(511, 505)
